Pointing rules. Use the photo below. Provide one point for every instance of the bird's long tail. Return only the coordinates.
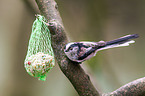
(122, 41)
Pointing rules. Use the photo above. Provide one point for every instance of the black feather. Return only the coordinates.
(122, 39)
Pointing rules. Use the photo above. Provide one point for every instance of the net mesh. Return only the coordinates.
(40, 57)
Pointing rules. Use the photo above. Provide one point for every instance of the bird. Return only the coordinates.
(81, 51)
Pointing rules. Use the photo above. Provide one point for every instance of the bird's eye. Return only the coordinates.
(71, 48)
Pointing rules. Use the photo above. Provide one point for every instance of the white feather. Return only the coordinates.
(117, 45)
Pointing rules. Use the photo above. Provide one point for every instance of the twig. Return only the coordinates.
(73, 71)
(134, 88)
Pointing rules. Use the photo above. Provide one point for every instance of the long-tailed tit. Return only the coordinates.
(81, 51)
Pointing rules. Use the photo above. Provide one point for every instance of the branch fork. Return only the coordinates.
(72, 70)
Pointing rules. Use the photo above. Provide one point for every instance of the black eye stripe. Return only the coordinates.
(76, 44)
(71, 46)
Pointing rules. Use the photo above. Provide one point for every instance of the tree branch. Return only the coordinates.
(72, 70)
(134, 88)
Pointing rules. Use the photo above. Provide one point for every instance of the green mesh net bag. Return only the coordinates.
(40, 57)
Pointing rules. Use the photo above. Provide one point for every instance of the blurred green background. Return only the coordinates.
(84, 20)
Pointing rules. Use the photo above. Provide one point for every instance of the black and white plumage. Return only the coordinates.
(81, 51)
